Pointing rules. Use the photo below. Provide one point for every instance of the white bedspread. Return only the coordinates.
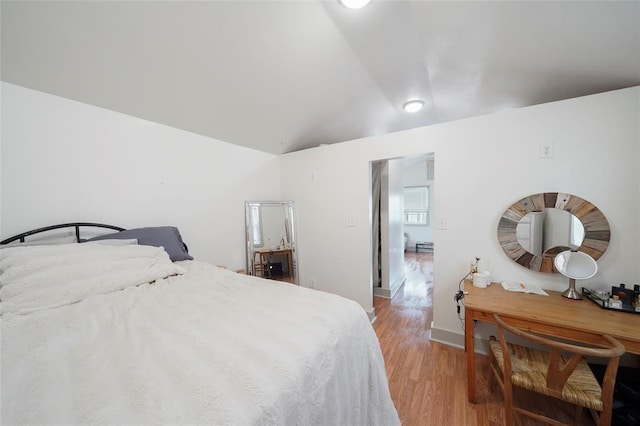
(206, 347)
(43, 277)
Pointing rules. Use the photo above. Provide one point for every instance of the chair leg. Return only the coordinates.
(579, 411)
(507, 394)
(491, 381)
(493, 364)
(508, 413)
(595, 415)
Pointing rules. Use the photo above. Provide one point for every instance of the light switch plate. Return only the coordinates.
(442, 223)
(546, 150)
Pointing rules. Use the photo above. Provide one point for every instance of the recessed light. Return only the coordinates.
(355, 4)
(413, 105)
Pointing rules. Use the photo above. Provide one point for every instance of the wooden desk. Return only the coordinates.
(282, 252)
(554, 315)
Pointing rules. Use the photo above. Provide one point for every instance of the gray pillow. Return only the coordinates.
(159, 236)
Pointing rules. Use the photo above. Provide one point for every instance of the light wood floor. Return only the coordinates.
(427, 380)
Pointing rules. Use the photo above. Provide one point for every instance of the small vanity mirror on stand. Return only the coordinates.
(271, 240)
(575, 265)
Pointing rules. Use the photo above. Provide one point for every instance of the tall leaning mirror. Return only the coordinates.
(535, 229)
(271, 240)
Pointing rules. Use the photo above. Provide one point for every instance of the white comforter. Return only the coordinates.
(206, 347)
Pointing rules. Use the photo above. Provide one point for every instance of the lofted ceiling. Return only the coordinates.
(281, 76)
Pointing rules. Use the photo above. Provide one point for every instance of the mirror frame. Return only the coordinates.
(597, 232)
(289, 230)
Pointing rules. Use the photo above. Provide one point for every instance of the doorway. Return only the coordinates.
(402, 220)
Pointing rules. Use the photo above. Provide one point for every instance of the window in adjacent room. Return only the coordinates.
(416, 205)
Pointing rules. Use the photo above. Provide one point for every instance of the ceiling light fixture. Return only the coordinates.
(413, 105)
(355, 4)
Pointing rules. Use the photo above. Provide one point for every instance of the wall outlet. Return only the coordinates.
(312, 283)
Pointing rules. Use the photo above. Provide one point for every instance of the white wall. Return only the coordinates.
(557, 228)
(383, 290)
(64, 161)
(273, 226)
(484, 164)
(396, 219)
(391, 219)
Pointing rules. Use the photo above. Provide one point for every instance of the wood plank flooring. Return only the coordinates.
(427, 380)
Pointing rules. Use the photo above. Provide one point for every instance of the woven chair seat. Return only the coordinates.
(529, 371)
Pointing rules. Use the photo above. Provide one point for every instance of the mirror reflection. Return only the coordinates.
(549, 232)
(533, 230)
(270, 240)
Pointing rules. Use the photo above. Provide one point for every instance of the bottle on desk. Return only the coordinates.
(636, 298)
(624, 294)
(615, 302)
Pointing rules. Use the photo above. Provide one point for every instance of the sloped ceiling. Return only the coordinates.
(281, 76)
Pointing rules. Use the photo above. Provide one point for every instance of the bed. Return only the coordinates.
(117, 333)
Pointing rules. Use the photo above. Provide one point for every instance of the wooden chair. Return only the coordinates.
(261, 265)
(561, 373)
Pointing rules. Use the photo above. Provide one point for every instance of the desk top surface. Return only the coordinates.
(275, 251)
(554, 310)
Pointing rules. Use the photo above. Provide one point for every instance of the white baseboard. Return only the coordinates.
(451, 338)
(382, 292)
(372, 315)
(389, 293)
(397, 284)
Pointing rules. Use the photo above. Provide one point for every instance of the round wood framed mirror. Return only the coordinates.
(535, 229)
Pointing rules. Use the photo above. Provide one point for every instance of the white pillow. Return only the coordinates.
(47, 241)
(115, 242)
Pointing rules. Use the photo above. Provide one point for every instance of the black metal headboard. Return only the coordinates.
(76, 225)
